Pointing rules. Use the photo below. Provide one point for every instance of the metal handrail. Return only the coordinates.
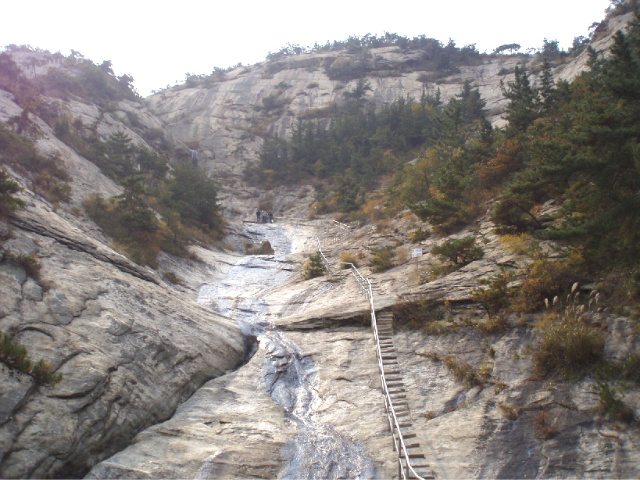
(394, 424)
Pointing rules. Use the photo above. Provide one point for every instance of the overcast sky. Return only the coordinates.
(158, 42)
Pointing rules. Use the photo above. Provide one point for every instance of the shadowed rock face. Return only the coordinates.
(129, 349)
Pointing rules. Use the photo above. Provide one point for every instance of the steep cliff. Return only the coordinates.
(132, 349)
(128, 347)
(226, 116)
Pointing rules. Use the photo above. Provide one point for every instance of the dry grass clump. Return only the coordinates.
(346, 258)
(510, 410)
(463, 372)
(544, 426)
(568, 343)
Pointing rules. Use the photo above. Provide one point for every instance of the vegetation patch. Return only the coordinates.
(495, 293)
(381, 259)
(14, 356)
(9, 202)
(459, 252)
(611, 404)
(463, 371)
(569, 345)
(315, 267)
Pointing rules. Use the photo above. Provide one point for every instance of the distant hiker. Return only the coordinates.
(258, 215)
(270, 217)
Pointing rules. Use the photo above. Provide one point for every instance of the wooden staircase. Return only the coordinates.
(398, 396)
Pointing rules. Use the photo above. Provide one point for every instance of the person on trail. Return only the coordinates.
(258, 215)
(270, 217)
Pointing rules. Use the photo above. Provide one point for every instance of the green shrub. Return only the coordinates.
(41, 373)
(315, 267)
(29, 262)
(14, 356)
(172, 278)
(627, 369)
(382, 259)
(47, 173)
(495, 296)
(8, 201)
(459, 251)
(423, 315)
(419, 235)
(610, 403)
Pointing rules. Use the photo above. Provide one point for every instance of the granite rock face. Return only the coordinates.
(128, 347)
(226, 118)
(133, 351)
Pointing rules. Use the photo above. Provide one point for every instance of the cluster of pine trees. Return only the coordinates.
(576, 143)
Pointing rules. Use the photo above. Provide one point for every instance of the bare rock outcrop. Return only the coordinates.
(129, 348)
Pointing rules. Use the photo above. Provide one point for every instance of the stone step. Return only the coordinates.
(427, 475)
(398, 397)
(397, 390)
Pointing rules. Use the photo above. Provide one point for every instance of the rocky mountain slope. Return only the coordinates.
(131, 348)
(225, 116)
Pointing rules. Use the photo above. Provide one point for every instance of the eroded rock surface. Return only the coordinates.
(129, 349)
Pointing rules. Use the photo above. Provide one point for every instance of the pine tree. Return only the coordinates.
(524, 101)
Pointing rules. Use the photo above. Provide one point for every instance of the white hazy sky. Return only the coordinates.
(158, 42)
